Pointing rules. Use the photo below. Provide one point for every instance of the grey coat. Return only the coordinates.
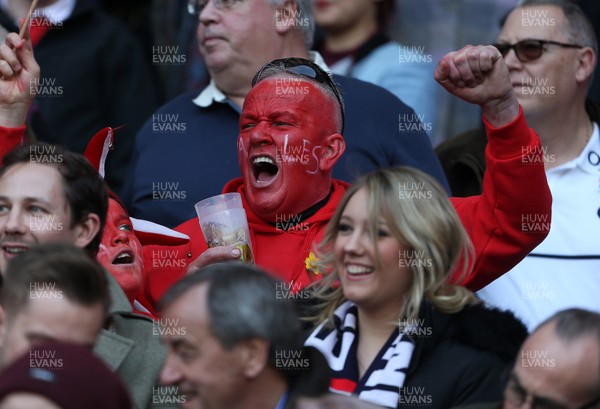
(129, 346)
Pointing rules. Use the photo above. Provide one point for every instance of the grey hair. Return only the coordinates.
(305, 11)
(243, 304)
(580, 29)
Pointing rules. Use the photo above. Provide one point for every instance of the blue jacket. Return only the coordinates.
(186, 153)
(403, 70)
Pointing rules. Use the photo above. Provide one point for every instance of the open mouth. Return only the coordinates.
(264, 169)
(124, 257)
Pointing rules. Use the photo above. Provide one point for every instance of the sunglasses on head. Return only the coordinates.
(305, 68)
(529, 50)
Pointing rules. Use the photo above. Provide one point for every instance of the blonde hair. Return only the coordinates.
(421, 217)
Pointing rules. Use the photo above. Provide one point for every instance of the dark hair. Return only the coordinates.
(243, 304)
(83, 186)
(69, 269)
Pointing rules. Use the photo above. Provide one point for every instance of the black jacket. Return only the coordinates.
(99, 77)
(459, 359)
(463, 358)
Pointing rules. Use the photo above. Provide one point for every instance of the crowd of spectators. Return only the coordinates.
(383, 274)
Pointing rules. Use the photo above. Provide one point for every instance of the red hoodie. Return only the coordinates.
(10, 138)
(512, 188)
(283, 253)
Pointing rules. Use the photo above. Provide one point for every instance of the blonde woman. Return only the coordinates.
(394, 331)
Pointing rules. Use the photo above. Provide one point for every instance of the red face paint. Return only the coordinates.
(121, 251)
(284, 127)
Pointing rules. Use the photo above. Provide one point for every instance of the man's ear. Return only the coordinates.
(86, 230)
(254, 356)
(286, 16)
(586, 62)
(332, 151)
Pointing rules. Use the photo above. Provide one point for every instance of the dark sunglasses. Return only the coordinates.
(529, 50)
(305, 68)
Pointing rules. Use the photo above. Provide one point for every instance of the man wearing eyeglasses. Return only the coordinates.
(189, 144)
(550, 49)
(558, 366)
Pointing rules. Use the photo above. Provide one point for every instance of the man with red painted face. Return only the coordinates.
(128, 251)
(286, 152)
(286, 155)
(120, 250)
(290, 139)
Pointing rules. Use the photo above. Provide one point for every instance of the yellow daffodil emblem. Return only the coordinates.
(311, 263)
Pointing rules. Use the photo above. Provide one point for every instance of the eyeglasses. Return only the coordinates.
(529, 50)
(517, 396)
(195, 7)
(302, 67)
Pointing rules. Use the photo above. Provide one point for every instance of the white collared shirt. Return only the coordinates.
(212, 93)
(564, 270)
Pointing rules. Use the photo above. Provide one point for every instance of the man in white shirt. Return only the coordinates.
(550, 49)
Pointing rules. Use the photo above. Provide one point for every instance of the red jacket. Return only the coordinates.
(513, 187)
(283, 253)
(10, 138)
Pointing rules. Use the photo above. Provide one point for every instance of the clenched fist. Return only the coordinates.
(478, 74)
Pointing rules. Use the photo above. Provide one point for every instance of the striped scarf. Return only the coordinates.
(382, 382)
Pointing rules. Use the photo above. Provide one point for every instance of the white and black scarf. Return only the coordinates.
(382, 382)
